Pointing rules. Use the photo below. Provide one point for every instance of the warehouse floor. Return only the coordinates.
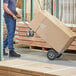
(40, 56)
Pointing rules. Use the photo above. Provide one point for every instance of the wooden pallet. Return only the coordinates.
(73, 45)
(35, 41)
(4, 31)
(21, 38)
(19, 67)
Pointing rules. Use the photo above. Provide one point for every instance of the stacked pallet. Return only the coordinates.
(35, 41)
(73, 45)
(4, 31)
(31, 68)
(21, 37)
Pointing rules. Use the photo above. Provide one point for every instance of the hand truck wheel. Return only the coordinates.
(30, 33)
(52, 54)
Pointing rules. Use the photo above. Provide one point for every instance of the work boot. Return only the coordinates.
(4, 53)
(13, 54)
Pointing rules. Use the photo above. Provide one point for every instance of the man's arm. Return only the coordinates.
(7, 10)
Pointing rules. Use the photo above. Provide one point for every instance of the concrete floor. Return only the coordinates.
(40, 56)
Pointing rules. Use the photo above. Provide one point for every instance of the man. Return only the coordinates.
(10, 16)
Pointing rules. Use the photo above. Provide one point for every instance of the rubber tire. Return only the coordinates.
(52, 54)
(30, 33)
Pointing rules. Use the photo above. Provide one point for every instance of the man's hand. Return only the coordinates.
(18, 15)
(14, 17)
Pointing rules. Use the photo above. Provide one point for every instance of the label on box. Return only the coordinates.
(42, 26)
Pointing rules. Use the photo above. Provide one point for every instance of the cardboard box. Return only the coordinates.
(52, 31)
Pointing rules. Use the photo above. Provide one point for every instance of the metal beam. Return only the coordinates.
(52, 7)
(57, 8)
(32, 9)
(23, 10)
(45, 6)
(48, 5)
(1, 30)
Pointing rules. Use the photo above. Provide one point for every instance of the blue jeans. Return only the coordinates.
(11, 26)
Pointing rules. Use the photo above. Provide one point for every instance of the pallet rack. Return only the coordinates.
(1, 29)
